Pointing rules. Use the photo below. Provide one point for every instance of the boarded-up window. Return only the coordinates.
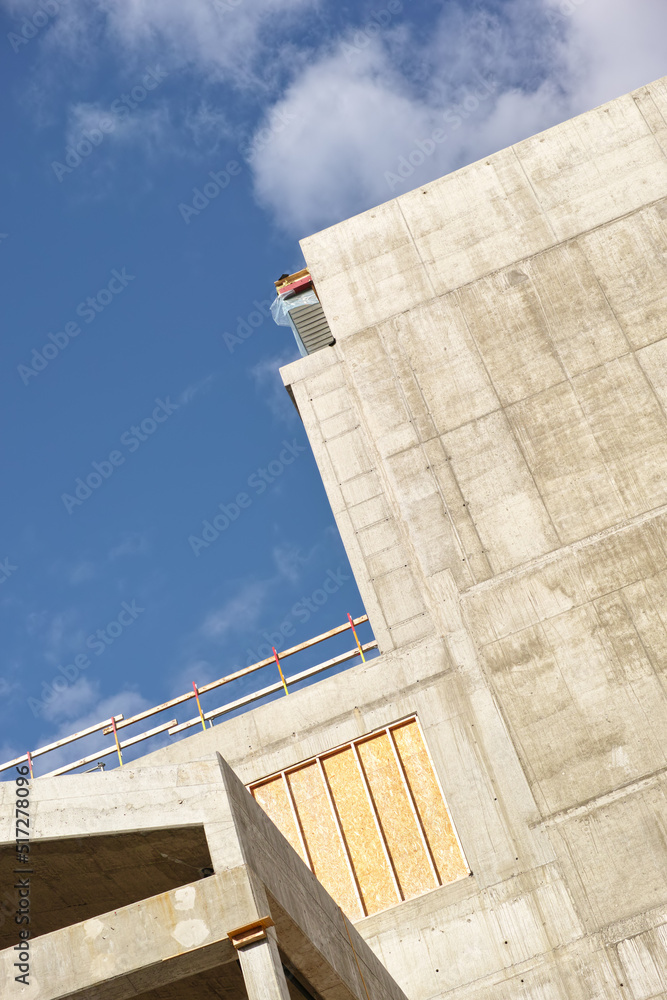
(369, 819)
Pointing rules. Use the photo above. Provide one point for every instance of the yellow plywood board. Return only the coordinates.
(272, 797)
(321, 836)
(431, 807)
(370, 864)
(398, 822)
(364, 830)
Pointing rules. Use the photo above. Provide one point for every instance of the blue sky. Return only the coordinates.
(160, 161)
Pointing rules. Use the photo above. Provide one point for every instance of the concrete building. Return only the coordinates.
(491, 429)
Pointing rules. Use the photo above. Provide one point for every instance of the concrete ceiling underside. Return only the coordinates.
(224, 982)
(74, 879)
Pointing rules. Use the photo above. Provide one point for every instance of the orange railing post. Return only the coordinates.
(282, 676)
(356, 638)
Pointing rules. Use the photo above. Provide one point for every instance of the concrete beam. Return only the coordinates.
(122, 954)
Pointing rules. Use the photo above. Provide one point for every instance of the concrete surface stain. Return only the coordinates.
(190, 933)
(184, 899)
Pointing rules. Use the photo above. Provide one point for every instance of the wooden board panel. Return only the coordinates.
(273, 799)
(320, 833)
(370, 845)
(400, 828)
(437, 825)
(372, 870)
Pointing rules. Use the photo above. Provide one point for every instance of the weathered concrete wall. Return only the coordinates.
(489, 927)
(491, 430)
(165, 939)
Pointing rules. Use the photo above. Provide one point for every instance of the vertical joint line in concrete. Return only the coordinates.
(354, 952)
(421, 260)
(413, 806)
(542, 210)
(297, 822)
(378, 825)
(341, 837)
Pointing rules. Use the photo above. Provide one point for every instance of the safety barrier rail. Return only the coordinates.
(112, 725)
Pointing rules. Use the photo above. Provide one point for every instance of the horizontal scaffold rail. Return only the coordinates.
(115, 723)
(272, 688)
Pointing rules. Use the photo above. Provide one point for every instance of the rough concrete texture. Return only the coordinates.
(175, 944)
(72, 877)
(491, 428)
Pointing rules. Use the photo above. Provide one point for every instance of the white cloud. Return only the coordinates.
(59, 633)
(290, 561)
(355, 118)
(82, 572)
(222, 38)
(197, 388)
(239, 43)
(9, 751)
(269, 385)
(146, 126)
(351, 107)
(612, 47)
(208, 126)
(133, 543)
(239, 614)
(347, 123)
(80, 707)
(70, 703)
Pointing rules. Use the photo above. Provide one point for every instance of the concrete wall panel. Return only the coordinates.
(469, 223)
(595, 168)
(644, 962)
(614, 855)
(562, 686)
(566, 463)
(496, 484)
(507, 320)
(631, 430)
(491, 429)
(653, 360)
(580, 322)
(436, 342)
(629, 260)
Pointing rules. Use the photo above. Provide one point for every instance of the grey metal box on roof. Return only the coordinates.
(311, 325)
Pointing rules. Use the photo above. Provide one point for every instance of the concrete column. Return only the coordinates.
(263, 971)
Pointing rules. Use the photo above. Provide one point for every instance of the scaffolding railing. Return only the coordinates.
(115, 723)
